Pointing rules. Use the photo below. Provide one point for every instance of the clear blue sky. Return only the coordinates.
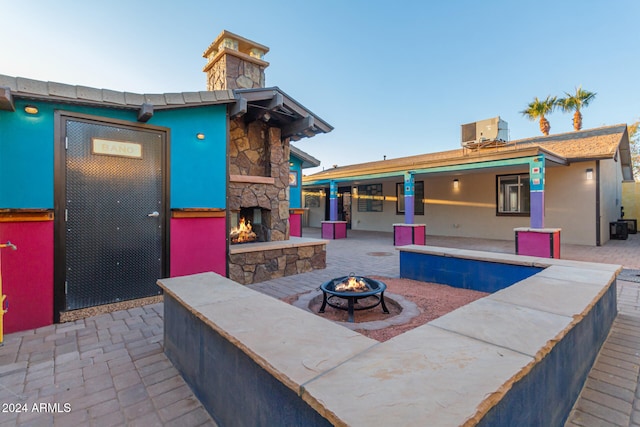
(394, 78)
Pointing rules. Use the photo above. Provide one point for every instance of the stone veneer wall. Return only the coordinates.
(258, 266)
(255, 149)
(231, 72)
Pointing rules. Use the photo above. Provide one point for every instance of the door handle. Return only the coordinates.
(154, 214)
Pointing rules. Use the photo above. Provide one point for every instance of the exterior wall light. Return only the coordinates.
(456, 184)
(31, 109)
(200, 136)
(589, 174)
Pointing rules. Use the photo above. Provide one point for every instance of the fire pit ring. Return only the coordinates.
(352, 288)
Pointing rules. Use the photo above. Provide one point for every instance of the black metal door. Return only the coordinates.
(115, 220)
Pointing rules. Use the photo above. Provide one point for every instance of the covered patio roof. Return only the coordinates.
(558, 150)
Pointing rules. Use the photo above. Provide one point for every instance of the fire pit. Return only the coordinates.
(353, 288)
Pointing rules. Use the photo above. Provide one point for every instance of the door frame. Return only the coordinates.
(59, 197)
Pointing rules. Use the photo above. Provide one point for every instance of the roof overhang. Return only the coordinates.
(268, 104)
(626, 163)
(308, 161)
(277, 108)
(453, 165)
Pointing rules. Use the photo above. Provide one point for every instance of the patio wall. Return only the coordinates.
(516, 357)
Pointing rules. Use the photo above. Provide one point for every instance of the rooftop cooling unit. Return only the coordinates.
(485, 133)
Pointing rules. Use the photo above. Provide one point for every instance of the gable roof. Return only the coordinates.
(591, 144)
(295, 120)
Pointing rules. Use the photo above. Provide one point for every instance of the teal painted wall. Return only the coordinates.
(295, 191)
(198, 168)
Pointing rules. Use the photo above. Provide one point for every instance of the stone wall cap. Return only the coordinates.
(293, 242)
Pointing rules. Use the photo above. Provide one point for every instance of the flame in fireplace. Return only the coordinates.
(242, 233)
(352, 284)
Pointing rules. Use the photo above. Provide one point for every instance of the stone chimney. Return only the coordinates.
(234, 62)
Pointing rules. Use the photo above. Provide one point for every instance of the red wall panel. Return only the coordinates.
(198, 245)
(27, 274)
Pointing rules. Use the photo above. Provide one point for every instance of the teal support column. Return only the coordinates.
(409, 196)
(536, 185)
(333, 201)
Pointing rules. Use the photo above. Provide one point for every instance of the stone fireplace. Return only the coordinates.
(261, 124)
(259, 178)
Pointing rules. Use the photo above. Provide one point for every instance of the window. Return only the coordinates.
(370, 198)
(513, 194)
(418, 192)
(311, 200)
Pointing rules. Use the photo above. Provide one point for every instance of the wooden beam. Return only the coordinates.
(250, 179)
(276, 102)
(25, 215)
(6, 99)
(299, 126)
(145, 113)
(198, 213)
(239, 108)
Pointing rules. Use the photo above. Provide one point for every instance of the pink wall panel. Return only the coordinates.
(408, 235)
(327, 230)
(539, 244)
(334, 229)
(198, 245)
(27, 274)
(340, 230)
(419, 235)
(295, 225)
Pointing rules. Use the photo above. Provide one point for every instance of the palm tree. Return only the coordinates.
(582, 98)
(537, 110)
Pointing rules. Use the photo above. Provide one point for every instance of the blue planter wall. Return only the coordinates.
(463, 273)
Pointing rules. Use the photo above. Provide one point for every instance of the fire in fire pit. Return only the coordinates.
(352, 284)
(243, 233)
(353, 288)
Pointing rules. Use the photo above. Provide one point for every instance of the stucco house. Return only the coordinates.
(104, 192)
(571, 181)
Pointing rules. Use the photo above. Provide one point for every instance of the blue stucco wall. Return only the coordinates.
(198, 168)
(295, 191)
(26, 153)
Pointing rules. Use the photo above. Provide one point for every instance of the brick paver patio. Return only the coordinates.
(110, 370)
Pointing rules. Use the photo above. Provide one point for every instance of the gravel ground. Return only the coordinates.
(433, 300)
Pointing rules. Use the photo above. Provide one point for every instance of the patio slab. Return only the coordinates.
(424, 374)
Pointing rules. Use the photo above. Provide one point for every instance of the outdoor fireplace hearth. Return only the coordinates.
(248, 225)
(353, 288)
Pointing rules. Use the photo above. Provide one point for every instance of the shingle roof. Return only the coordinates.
(598, 143)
